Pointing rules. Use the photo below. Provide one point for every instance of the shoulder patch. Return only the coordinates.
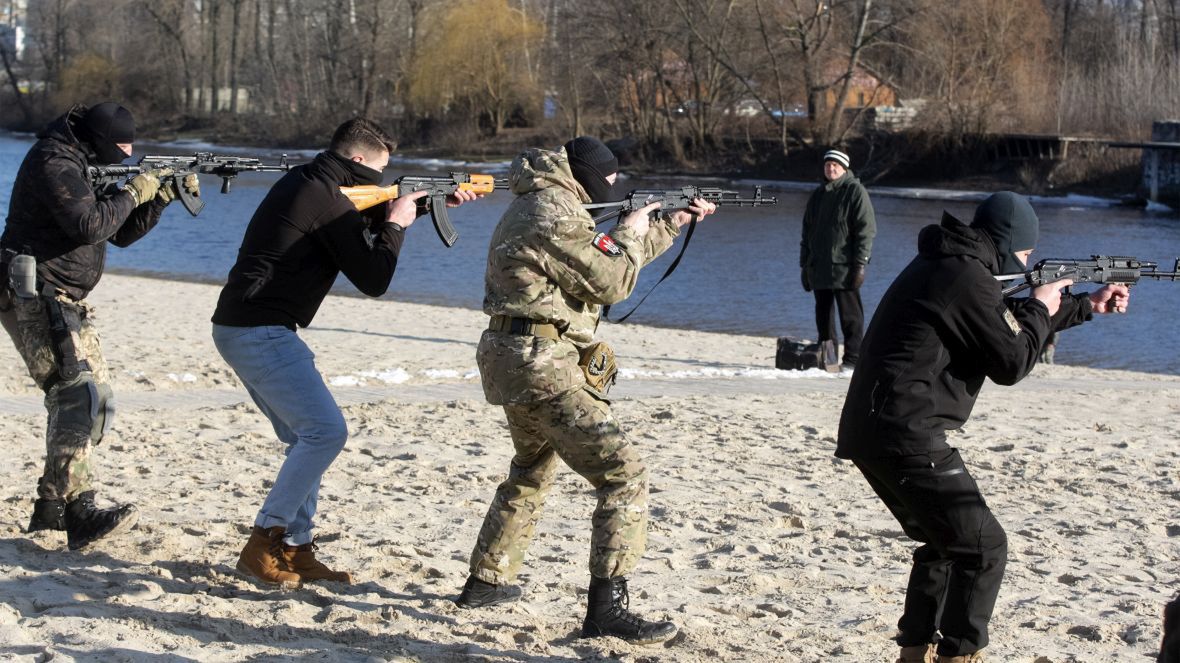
(369, 238)
(604, 243)
(1012, 323)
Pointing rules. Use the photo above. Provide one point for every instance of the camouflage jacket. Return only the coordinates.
(64, 220)
(549, 263)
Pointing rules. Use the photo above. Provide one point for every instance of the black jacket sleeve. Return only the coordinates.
(142, 219)
(1006, 334)
(69, 199)
(1074, 310)
(364, 250)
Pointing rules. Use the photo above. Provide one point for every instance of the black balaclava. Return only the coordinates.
(104, 126)
(591, 161)
(1009, 220)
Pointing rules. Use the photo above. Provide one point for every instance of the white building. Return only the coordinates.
(13, 16)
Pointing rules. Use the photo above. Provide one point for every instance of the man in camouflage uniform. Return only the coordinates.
(63, 222)
(549, 274)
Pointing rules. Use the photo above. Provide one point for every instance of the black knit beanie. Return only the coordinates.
(591, 161)
(104, 126)
(1010, 222)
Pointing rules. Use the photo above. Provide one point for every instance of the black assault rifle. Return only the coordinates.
(678, 199)
(672, 200)
(1098, 269)
(226, 168)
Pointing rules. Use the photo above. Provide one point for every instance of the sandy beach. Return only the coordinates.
(763, 546)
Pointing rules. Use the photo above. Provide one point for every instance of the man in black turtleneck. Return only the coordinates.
(939, 331)
(304, 233)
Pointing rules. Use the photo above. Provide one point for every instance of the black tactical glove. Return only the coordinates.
(804, 278)
(856, 277)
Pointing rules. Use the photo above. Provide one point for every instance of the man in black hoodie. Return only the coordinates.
(941, 328)
(305, 233)
(61, 220)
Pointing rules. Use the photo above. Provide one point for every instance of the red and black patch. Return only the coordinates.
(604, 243)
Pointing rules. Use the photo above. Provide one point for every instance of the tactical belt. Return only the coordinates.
(523, 327)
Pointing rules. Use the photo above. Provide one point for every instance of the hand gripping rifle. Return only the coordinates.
(672, 200)
(438, 189)
(1098, 269)
(207, 163)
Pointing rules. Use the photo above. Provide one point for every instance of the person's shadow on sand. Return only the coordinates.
(80, 584)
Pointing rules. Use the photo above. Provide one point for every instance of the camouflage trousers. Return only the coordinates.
(80, 410)
(580, 430)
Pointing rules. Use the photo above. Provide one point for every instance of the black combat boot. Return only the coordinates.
(607, 614)
(86, 524)
(48, 514)
(477, 594)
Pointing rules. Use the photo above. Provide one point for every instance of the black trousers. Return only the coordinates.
(852, 319)
(957, 571)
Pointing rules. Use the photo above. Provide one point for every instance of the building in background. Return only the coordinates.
(13, 16)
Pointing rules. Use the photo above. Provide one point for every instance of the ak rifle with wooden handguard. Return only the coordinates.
(437, 188)
(205, 163)
(677, 199)
(1098, 269)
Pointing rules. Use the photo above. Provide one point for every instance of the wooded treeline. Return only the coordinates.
(676, 77)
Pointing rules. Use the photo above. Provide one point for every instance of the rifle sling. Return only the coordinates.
(692, 224)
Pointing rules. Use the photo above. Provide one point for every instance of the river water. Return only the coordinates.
(740, 273)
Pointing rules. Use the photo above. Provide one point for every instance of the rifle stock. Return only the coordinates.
(364, 197)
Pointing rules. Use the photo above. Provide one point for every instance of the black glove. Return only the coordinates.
(856, 277)
(806, 281)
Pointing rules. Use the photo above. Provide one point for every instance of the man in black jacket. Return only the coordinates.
(941, 328)
(60, 219)
(304, 233)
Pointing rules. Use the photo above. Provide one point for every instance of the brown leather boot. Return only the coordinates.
(263, 558)
(301, 560)
(917, 654)
(976, 657)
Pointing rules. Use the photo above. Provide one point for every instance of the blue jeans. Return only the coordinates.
(278, 370)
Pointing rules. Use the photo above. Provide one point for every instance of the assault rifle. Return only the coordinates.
(438, 189)
(672, 200)
(678, 199)
(226, 168)
(1098, 269)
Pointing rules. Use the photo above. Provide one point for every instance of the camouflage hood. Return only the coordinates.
(535, 169)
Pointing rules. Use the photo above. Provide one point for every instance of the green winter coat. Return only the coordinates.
(549, 263)
(838, 230)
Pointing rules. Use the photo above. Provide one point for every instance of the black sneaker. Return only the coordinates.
(607, 614)
(478, 594)
(48, 514)
(86, 523)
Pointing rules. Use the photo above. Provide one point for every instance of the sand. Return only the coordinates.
(763, 546)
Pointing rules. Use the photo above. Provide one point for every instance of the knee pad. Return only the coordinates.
(82, 406)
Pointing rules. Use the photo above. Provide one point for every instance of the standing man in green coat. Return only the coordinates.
(838, 231)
